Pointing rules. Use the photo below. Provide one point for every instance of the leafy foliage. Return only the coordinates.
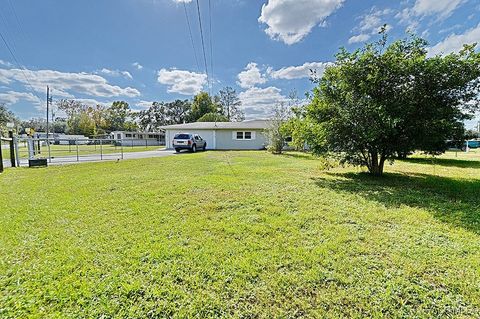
(275, 133)
(164, 113)
(383, 100)
(202, 104)
(213, 117)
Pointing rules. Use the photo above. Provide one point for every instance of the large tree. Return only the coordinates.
(202, 104)
(6, 116)
(382, 100)
(117, 115)
(230, 104)
(161, 113)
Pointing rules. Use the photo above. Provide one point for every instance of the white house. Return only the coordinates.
(246, 135)
(138, 138)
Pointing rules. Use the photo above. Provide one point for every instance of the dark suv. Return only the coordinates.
(187, 141)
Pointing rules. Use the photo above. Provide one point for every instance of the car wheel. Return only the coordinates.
(194, 148)
(204, 147)
(177, 150)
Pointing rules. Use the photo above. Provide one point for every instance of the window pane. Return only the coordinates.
(248, 135)
(239, 135)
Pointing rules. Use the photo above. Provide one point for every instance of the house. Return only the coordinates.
(246, 135)
(138, 138)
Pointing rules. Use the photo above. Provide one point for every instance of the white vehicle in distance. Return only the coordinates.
(187, 141)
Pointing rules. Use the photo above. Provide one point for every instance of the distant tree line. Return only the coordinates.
(224, 107)
(81, 119)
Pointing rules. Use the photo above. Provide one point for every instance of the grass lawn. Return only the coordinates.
(243, 234)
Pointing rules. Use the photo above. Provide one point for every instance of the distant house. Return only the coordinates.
(246, 135)
(138, 138)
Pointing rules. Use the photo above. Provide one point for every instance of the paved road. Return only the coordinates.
(96, 157)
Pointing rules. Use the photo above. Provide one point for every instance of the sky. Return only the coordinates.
(141, 51)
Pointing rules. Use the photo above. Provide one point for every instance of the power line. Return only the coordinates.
(211, 44)
(191, 36)
(203, 42)
(19, 65)
(18, 20)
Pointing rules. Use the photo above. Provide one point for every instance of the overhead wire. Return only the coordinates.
(191, 35)
(212, 77)
(203, 41)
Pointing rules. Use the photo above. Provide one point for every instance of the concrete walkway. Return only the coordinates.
(97, 158)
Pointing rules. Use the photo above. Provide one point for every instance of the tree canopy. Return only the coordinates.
(202, 104)
(213, 117)
(383, 100)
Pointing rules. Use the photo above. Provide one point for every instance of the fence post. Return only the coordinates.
(12, 149)
(1, 156)
(121, 147)
(101, 150)
(17, 152)
(76, 144)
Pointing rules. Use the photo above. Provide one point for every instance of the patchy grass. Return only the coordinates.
(240, 234)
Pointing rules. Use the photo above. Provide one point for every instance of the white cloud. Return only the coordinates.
(291, 20)
(143, 104)
(182, 82)
(260, 102)
(65, 84)
(137, 65)
(12, 97)
(359, 38)
(251, 76)
(6, 63)
(116, 73)
(184, 1)
(370, 24)
(443, 8)
(455, 42)
(299, 72)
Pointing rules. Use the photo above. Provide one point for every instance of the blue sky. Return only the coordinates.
(140, 50)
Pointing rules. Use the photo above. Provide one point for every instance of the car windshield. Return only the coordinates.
(182, 137)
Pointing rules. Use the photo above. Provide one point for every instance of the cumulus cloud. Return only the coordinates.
(292, 20)
(116, 73)
(143, 104)
(299, 72)
(182, 82)
(12, 97)
(66, 84)
(251, 76)
(137, 65)
(455, 42)
(370, 24)
(443, 8)
(434, 9)
(260, 102)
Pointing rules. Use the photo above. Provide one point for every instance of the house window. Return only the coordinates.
(244, 136)
(128, 135)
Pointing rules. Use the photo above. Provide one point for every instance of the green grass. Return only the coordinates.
(243, 234)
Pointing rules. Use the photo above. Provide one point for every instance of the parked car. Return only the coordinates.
(471, 144)
(187, 141)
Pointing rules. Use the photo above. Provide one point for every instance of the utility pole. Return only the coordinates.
(48, 123)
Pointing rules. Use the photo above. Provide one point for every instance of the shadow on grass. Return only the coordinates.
(453, 201)
(447, 162)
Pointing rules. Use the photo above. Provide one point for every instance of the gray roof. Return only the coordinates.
(252, 125)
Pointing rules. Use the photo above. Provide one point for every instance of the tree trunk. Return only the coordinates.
(377, 164)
